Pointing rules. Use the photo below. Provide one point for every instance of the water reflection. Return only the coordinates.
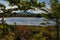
(26, 21)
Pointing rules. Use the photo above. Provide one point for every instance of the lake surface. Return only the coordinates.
(26, 21)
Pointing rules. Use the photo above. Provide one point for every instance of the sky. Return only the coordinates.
(46, 1)
(36, 11)
(6, 3)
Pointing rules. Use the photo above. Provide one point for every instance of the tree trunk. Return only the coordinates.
(57, 28)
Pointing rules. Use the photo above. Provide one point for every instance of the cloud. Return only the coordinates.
(11, 7)
(36, 11)
(1, 11)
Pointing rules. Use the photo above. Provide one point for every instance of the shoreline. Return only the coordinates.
(20, 15)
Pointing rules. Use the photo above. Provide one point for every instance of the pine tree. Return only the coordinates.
(54, 14)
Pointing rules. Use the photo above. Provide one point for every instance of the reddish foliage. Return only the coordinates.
(22, 29)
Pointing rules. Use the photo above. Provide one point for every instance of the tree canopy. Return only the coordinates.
(26, 4)
(2, 6)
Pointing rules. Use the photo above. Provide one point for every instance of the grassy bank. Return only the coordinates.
(24, 32)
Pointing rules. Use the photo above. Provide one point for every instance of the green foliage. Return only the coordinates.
(30, 32)
(54, 14)
(3, 9)
(26, 4)
(27, 32)
(2, 5)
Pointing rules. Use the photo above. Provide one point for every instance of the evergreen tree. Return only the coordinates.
(54, 14)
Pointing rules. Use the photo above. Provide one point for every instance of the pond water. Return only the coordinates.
(26, 21)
